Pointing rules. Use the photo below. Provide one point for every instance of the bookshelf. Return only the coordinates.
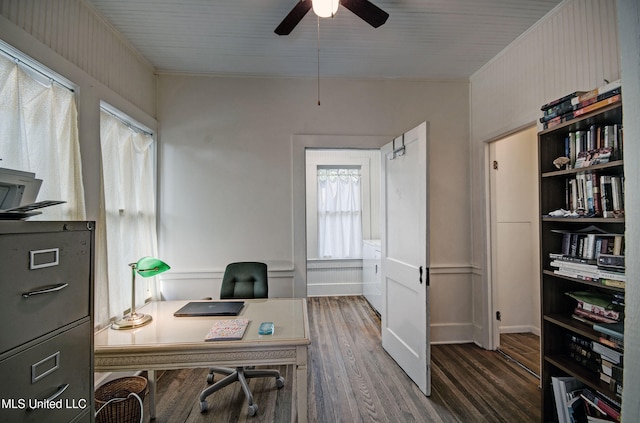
(578, 236)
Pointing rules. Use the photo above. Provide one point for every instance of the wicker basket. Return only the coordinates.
(126, 411)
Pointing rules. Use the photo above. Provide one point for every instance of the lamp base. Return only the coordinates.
(131, 321)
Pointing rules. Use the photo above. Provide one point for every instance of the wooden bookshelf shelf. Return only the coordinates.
(567, 366)
(615, 165)
(586, 283)
(579, 220)
(561, 334)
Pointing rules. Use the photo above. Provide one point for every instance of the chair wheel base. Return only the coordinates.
(210, 378)
(203, 406)
(279, 382)
(253, 409)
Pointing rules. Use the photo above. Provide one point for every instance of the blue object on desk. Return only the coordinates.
(266, 328)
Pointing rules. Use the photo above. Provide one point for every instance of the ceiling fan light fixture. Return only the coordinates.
(325, 8)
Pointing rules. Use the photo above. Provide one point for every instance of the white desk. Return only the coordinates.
(170, 342)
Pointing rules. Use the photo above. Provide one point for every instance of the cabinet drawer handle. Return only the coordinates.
(46, 290)
(59, 392)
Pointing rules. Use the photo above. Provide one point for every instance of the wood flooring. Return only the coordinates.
(352, 379)
(524, 348)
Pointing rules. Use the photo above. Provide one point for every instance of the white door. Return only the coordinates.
(405, 255)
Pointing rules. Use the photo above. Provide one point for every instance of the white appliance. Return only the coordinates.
(371, 275)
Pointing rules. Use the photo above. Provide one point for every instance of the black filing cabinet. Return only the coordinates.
(46, 321)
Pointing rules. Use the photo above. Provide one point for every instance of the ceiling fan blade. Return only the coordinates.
(294, 17)
(367, 11)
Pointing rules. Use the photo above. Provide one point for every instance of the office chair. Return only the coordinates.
(241, 280)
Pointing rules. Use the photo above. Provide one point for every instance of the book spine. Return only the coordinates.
(602, 405)
(597, 105)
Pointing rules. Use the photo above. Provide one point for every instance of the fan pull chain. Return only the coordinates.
(318, 61)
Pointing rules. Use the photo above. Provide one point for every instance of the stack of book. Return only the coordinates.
(606, 362)
(591, 254)
(611, 346)
(595, 307)
(581, 351)
(576, 403)
(579, 103)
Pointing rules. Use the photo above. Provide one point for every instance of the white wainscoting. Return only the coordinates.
(334, 277)
(451, 317)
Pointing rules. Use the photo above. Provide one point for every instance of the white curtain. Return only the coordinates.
(39, 133)
(129, 218)
(339, 213)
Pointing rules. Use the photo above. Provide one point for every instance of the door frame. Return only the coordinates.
(299, 144)
(491, 298)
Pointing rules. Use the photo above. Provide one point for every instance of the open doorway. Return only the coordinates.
(342, 219)
(515, 246)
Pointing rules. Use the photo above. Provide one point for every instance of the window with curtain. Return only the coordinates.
(339, 213)
(128, 214)
(39, 134)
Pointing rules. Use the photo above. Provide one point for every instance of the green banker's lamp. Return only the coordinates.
(145, 267)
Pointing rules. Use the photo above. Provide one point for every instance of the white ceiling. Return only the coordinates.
(421, 38)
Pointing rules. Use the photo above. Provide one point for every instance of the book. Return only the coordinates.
(566, 391)
(604, 404)
(607, 353)
(582, 109)
(562, 99)
(597, 105)
(617, 200)
(609, 87)
(606, 196)
(610, 341)
(592, 317)
(580, 351)
(613, 329)
(613, 371)
(227, 330)
(614, 262)
(614, 276)
(593, 157)
(598, 304)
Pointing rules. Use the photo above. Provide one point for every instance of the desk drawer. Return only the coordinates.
(41, 371)
(44, 283)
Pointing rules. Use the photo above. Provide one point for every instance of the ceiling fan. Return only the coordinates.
(364, 9)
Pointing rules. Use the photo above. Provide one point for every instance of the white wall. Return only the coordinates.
(228, 147)
(67, 37)
(575, 47)
(629, 21)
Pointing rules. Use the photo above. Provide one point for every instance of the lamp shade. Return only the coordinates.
(150, 266)
(325, 8)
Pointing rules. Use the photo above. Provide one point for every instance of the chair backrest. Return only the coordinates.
(246, 279)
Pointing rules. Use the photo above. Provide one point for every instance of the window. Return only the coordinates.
(339, 213)
(367, 163)
(39, 132)
(128, 213)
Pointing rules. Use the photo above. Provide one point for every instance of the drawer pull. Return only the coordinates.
(52, 398)
(46, 290)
